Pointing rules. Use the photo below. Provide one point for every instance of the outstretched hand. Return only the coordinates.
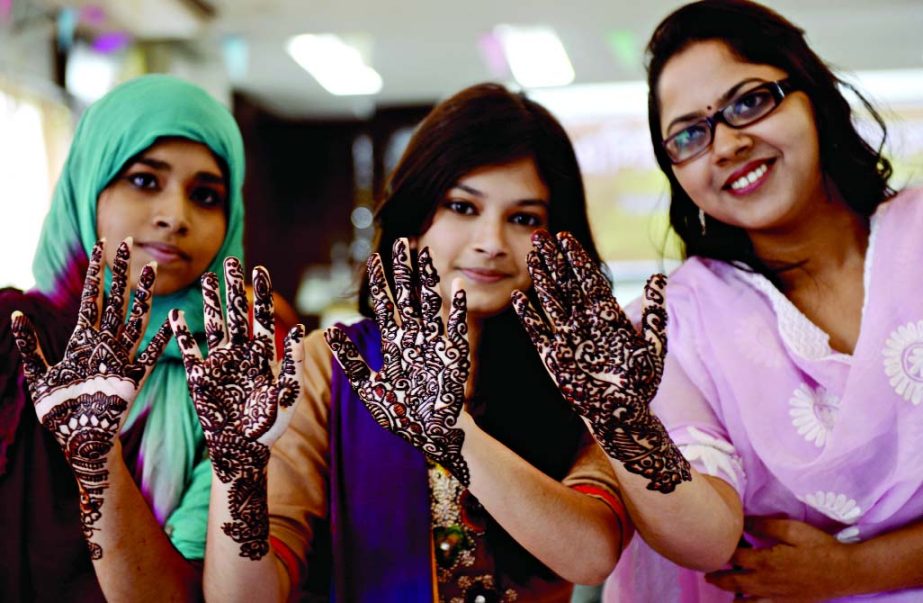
(83, 399)
(244, 398)
(601, 364)
(420, 389)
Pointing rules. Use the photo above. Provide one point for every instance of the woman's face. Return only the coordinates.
(172, 199)
(481, 233)
(762, 177)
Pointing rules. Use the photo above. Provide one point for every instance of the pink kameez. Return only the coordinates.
(753, 394)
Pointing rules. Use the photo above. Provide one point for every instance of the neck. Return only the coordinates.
(831, 237)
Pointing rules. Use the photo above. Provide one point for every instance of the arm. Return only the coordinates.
(572, 533)
(83, 401)
(809, 564)
(610, 373)
(140, 563)
(245, 401)
(419, 394)
(697, 526)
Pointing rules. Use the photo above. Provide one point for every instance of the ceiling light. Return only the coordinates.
(536, 56)
(336, 65)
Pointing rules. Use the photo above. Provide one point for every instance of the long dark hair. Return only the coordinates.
(515, 400)
(757, 34)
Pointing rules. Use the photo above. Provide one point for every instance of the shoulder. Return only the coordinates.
(905, 205)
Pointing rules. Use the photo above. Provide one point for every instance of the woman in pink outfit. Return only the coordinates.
(781, 455)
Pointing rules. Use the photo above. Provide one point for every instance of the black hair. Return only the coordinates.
(515, 400)
(756, 34)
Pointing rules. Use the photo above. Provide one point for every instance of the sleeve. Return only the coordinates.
(188, 524)
(299, 465)
(592, 474)
(683, 399)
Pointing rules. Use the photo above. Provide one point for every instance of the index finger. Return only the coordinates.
(654, 315)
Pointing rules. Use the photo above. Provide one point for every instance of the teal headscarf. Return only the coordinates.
(113, 130)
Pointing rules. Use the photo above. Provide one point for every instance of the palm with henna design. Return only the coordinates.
(243, 397)
(420, 389)
(600, 363)
(84, 398)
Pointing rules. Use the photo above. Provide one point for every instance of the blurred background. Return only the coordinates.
(327, 93)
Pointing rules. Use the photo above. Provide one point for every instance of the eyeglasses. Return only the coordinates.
(747, 108)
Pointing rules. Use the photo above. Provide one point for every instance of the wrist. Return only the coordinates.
(234, 457)
(856, 572)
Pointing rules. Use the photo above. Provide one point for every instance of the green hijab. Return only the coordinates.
(112, 131)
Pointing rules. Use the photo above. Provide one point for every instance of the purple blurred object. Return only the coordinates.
(111, 42)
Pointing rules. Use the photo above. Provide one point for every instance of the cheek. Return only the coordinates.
(521, 246)
(210, 233)
(443, 242)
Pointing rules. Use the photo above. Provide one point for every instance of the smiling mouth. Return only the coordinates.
(748, 178)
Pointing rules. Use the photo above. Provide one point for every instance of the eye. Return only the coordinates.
(207, 196)
(464, 208)
(142, 180)
(527, 219)
(689, 138)
(750, 106)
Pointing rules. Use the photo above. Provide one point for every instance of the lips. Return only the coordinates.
(484, 275)
(749, 177)
(164, 253)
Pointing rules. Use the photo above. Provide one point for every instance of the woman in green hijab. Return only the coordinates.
(159, 160)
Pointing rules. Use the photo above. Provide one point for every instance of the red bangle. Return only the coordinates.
(288, 559)
(617, 508)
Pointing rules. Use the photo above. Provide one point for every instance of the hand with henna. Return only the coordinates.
(601, 364)
(83, 399)
(420, 389)
(244, 398)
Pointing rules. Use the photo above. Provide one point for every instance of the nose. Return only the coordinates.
(171, 211)
(729, 143)
(490, 237)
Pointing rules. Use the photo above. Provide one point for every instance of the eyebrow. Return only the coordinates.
(722, 100)
(163, 166)
(480, 195)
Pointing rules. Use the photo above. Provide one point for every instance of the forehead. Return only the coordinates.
(694, 79)
(183, 153)
(507, 182)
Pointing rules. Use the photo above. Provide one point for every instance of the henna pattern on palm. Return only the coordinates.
(83, 399)
(420, 389)
(600, 363)
(243, 397)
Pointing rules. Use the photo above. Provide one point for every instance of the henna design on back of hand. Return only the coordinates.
(602, 366)
(420, 389)
(243, 397)
(83, 399)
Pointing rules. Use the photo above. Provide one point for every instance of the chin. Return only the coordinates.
(481, 309)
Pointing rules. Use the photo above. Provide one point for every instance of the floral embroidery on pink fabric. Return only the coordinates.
(904, 361)
(814, 413)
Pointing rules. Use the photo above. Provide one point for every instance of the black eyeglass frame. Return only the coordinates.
(778, 89)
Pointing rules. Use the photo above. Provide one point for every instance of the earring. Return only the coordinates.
(702, 221)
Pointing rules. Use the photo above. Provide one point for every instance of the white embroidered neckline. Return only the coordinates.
(800, 335)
